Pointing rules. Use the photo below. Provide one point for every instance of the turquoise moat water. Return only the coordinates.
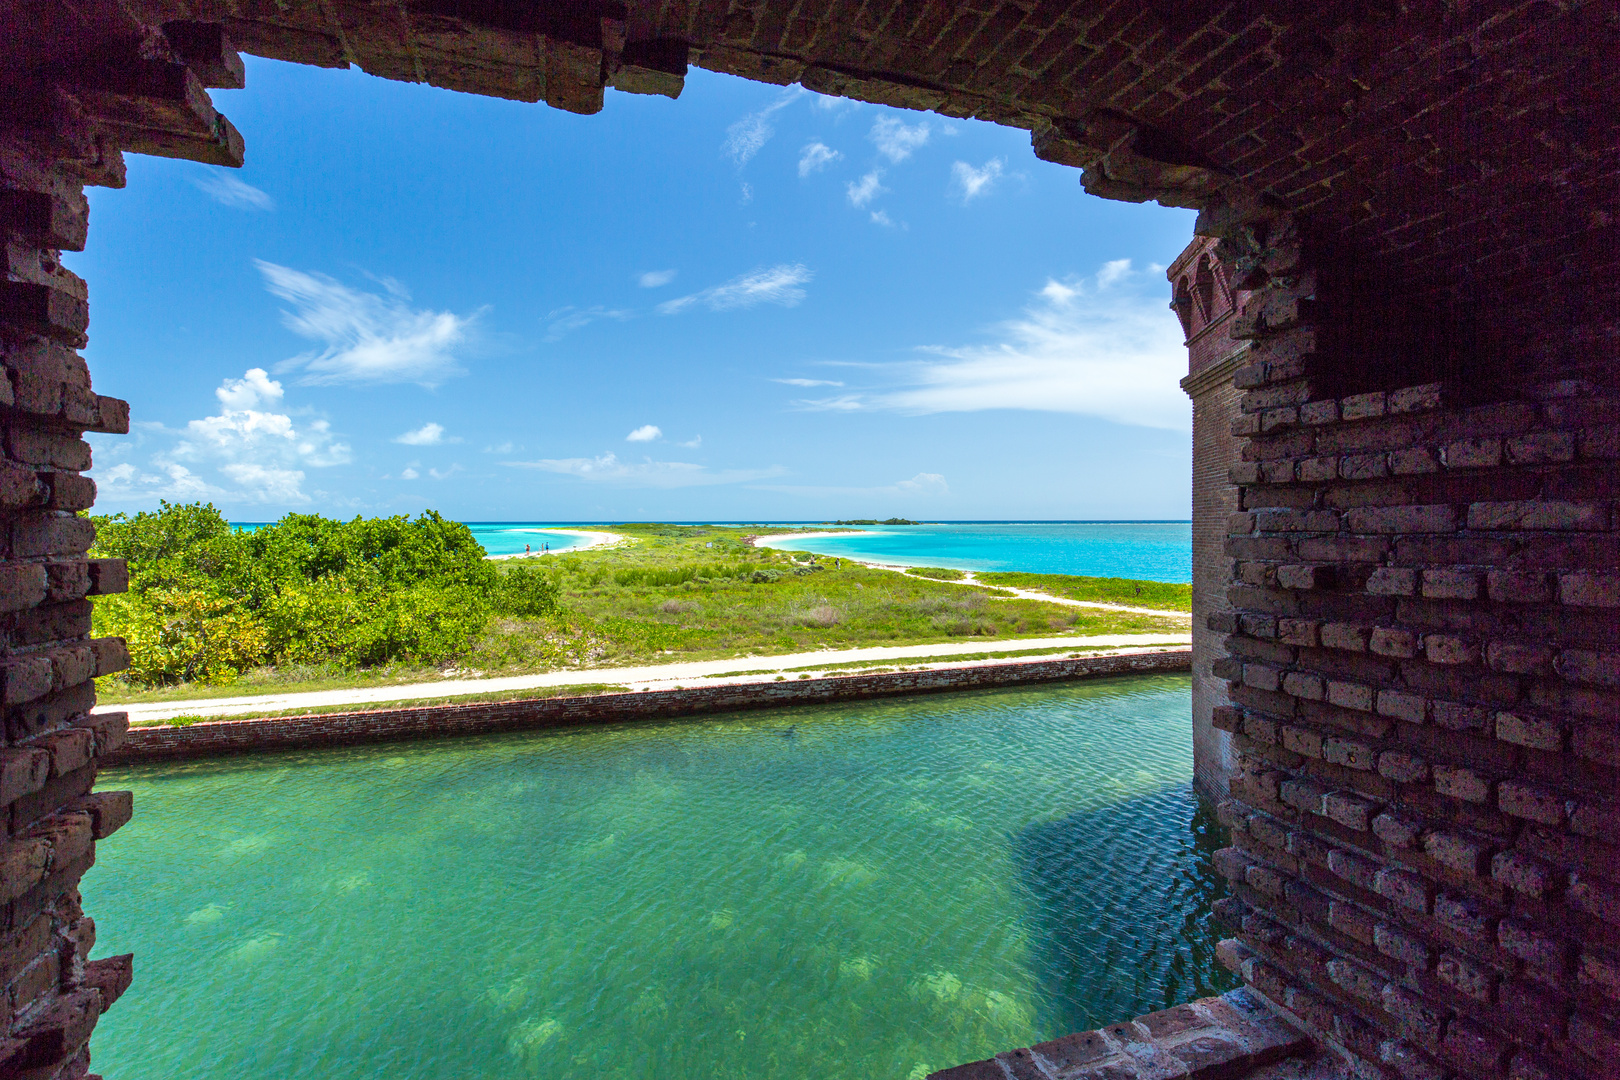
(874, 889)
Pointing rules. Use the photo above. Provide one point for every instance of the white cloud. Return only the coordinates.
(969, 183)
(693, 443)
(254, 388)
(366, 338)
(1094, 347)
(745, 137)
(832, 104)
(808, 382)
(645, 433)
(444, 474)
(257, 454)
(747, 193)
(503, 448)
(815, 157)
(428, 434)
(921, 485)
(653, 279)
(227, 190)
(881, 217)
(409, 473)
(895, 139)
(781, 284)
(565, 320)
(866, 189)
(608, 469)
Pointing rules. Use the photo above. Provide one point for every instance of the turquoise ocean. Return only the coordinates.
(1145, 550)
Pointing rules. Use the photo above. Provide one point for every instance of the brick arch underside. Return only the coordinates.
(1420, 628)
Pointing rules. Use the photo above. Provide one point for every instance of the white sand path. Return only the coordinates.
(594, 538)
(702, 672)
(969, 579)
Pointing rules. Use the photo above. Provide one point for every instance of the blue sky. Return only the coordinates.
(751, 303)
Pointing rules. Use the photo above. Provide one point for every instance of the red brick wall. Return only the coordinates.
(1425, 687)
(439, 721)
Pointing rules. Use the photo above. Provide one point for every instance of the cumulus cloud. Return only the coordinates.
(645, 433)
(227, 190)
(255, 452)
(816, 156)
(428, 434)
(366, 337)
(409, 473)
(608, 469)
(969, 183)
(1099, 346)
(747, 136)
(895, 139)
(781, 284)
(653, 279)
(808, 382)
(865, 189)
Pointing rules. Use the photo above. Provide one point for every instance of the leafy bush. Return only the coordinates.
(937, 573)
(206, 602)
(527, 590)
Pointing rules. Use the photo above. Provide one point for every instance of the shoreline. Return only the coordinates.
(594, 538)
(765, 541)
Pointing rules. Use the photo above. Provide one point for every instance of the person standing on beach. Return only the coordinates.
(525, 549)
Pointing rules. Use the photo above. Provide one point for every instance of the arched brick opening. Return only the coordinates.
(1409, 619)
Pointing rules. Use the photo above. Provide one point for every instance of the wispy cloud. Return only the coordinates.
(366, 337)
(565, 320)
(693, 443)
(227, 190)
(815, 157)
(608, 469)
(865, 189)
(645, 433)
(881, 217)
(780, 284)
(897, 140)
(923, 484)
(653, 279)
(1098, 346)
(747, 136)
(428, 434)
(808, 382)
(969, 183)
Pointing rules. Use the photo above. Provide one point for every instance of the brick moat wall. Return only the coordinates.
(1424, 675)
(474, 718)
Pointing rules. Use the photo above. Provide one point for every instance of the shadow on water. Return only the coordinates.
(1119, 908)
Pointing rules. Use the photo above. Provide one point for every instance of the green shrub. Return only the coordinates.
(937, 573)
(527, 590)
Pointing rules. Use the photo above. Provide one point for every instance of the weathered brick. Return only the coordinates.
(22, 586)
(1389, 641)
(1541, 447)
(1297, 632)
(1461, 853)
(1449, 649)
(1402, 767)
(1589, 666)
(1392, 581)
(1517, 658)
(1415, 398)
(1302, 795)
(1356, 980)
(1351, 811)
(1472, 454)
(1425, 1020)
(1523, 874)
(1462, 783)
(1261, 677)
(1351, 696)
(1402, 519)
(1413, 462)
(1395, 831)
(1454, 716)
(1450, 584)
(1413, 708)
(1317, 469)
(1526, 800)
(1364, 466)
(1595, 820)
(1302, 741)
(1466, 915)
(1362, 406)
(1538, 514)
(1518, 587)
(1539, 950)
(1304, 577)
(1468, 978)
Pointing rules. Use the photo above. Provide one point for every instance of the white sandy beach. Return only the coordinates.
(593, 538)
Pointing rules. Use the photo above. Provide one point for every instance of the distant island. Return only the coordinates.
(875, 521)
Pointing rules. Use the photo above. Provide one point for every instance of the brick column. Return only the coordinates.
(1424, 676)
(1205, 304)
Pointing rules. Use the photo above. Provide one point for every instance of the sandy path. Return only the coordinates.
(971, 580)
(593, 538)
(634, 677)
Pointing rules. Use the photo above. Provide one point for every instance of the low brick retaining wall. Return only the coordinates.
(432, 721)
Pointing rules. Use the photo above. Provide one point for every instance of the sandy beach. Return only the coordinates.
(593, 539)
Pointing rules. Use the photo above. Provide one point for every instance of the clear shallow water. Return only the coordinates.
(1144, 550)
(872, 889)
(508, 537)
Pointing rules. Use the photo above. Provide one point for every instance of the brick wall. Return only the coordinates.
(50, 747)
(440, 721)
(1424, 676)
(1205, 303)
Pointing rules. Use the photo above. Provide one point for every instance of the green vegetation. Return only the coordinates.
(1152, 594)
(938, 573)
(875, 521)
(309, 603)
